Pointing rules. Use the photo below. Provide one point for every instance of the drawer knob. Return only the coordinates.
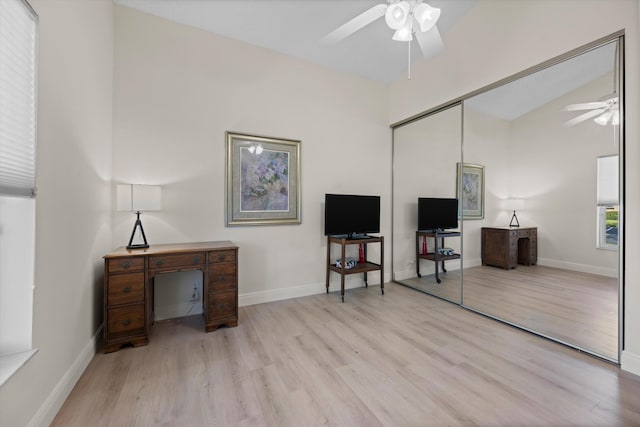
(126, 265)
(222, 306)
(126, 290)
(196, 259)
(221, 277)
(126, 322)
(159, 262)
(220, 258)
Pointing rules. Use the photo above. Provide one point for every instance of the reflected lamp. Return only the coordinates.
(514, 205)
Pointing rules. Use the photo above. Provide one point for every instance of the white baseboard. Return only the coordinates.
(47, 412)
(270, 295)
(583, 268)
(630, 362)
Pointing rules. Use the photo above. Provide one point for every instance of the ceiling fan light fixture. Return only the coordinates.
(615, 119)
(603, 118)
(426, 16)
(403, 34)
(397, 15)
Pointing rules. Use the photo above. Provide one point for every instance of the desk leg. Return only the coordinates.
(435, 257)
(418, 254)
(366, 284)
(344, 262)
(382, 265)
(444, 270)
(328, 260)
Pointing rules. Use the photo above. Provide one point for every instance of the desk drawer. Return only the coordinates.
(222, 305)
(125, 288)
(126, 320)
(222, 256)
(174, 261)
(222, 277)
(118, 265)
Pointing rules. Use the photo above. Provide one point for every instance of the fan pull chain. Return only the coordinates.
(409, 65)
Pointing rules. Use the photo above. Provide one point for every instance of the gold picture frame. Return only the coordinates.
(470, 190)
(263, 180)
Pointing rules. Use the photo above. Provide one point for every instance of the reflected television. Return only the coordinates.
(437, 213)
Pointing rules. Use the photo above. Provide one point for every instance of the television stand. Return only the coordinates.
(361, 267)
(434, 256)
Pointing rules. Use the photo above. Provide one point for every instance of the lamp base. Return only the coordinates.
(514, 217)
(139, 246)
(133, 233)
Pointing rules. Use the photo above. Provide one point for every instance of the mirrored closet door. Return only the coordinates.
(425, 154)
(548, 143)
(534, 162)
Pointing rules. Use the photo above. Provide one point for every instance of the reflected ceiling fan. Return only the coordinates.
(406, 17)
(603, 112)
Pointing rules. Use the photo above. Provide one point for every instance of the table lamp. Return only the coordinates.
(514, 205)
(137, 198)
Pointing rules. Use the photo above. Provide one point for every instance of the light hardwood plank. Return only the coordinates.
(574, 307)
(400, 359)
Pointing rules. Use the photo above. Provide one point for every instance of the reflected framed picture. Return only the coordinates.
(470, 190)
(263, 180)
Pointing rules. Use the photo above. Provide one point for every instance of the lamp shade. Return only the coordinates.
(404, 33)
(397, 15)
(514, 204)
(137, 197)
(426, 16)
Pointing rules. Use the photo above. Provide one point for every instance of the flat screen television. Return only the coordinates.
(351, 214)
(437, 213)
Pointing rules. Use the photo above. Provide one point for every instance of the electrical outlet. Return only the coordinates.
(195, 295)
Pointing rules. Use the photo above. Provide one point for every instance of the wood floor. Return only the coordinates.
(570, 306)
(578, 308)
(402, 359)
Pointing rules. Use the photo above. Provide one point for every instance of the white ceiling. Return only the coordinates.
(295, 27)
(521, 96)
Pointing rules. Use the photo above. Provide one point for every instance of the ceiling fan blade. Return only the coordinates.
(362, 20)
(430, 42)
(585, 106)
(585, 116)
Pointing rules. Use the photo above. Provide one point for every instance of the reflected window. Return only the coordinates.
(607, 204)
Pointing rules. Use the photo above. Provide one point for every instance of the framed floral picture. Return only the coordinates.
(470, 190)
(263, 180)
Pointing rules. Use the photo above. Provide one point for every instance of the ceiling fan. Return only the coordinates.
(406, 17)
(603, 112)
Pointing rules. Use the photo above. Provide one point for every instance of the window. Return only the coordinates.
(607, 202)
(18, 33)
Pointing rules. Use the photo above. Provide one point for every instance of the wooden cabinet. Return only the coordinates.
(506, 247)
(221, 307)
(361, 267)
(128, 287)
(124, 308)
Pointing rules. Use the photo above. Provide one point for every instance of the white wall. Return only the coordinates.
(73, 205)
(178, 89)
(554, 170)
(425, 155)
(499, 38)
(487, 142)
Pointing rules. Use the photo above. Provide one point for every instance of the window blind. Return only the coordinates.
(18, 32)
(607, 170)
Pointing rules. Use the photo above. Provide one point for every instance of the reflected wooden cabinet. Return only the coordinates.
(128, 287)
(506, 247)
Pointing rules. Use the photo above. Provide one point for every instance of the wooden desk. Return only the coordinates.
(128, 287)
(506, 247)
